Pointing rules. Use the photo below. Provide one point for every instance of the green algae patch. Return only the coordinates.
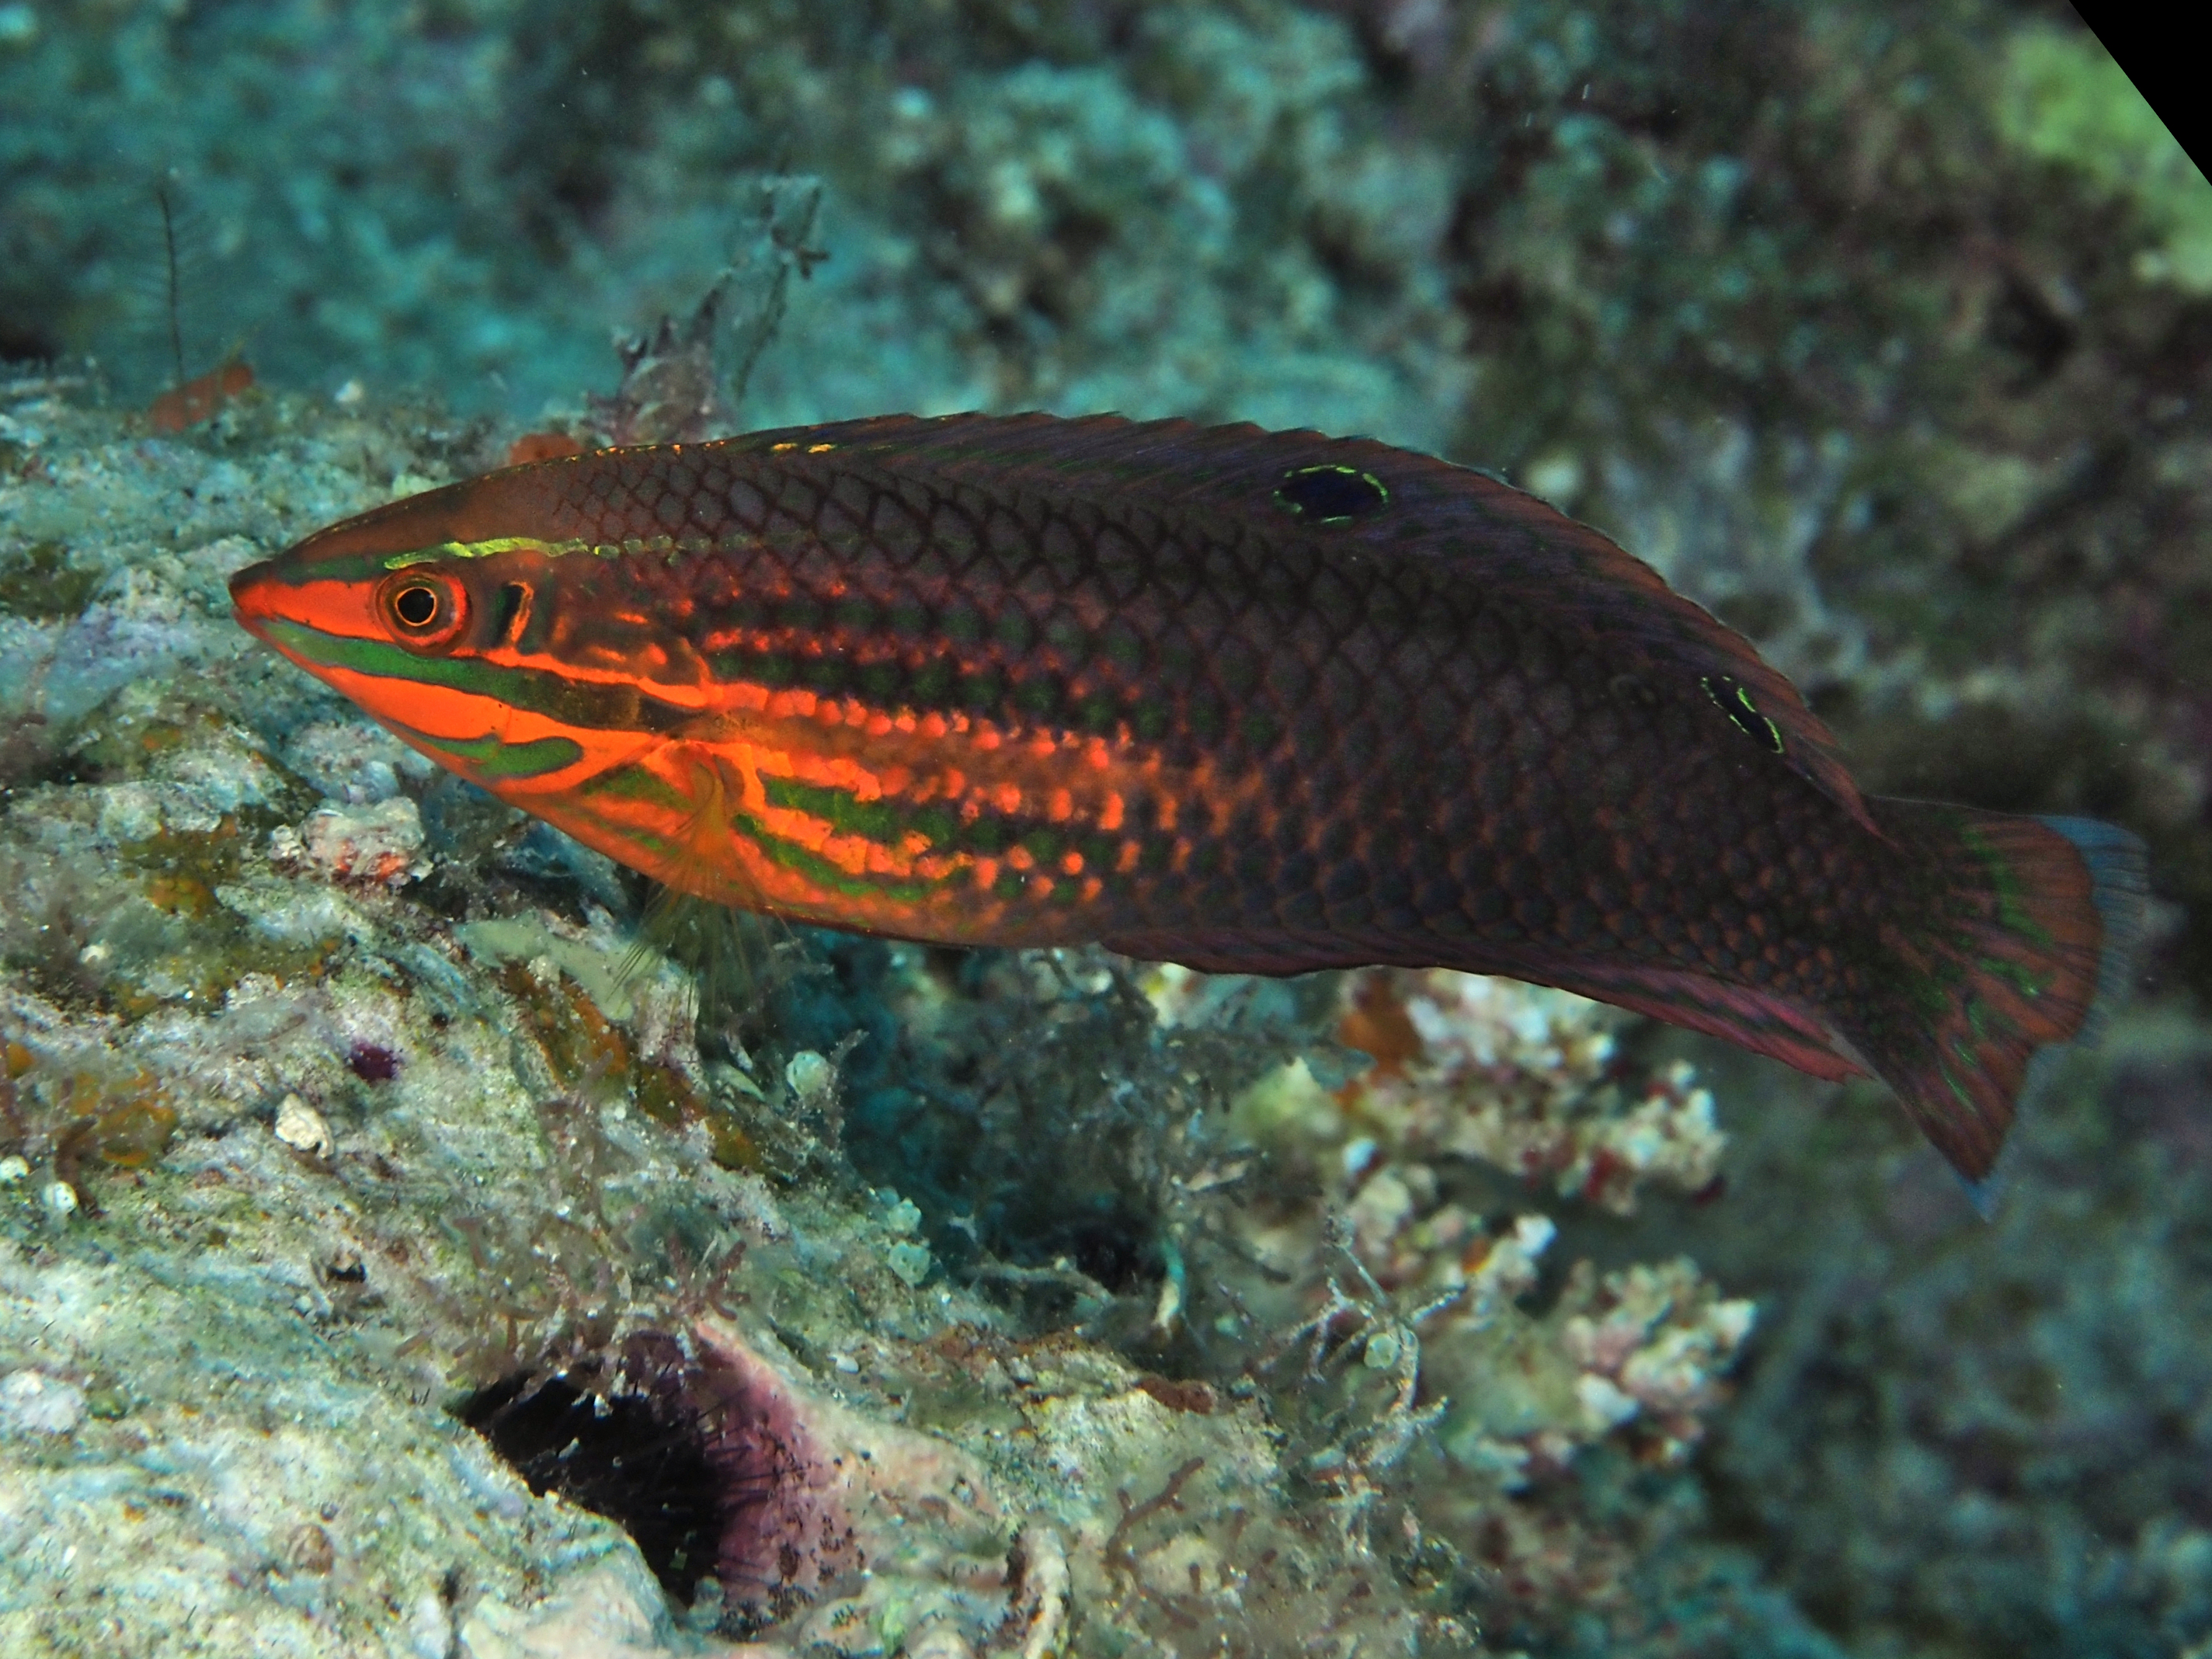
(41, 584)
(2063, 99)
(134, 1133)
(605, 980)
(197, 943)
(180, 870)
(584, 1048)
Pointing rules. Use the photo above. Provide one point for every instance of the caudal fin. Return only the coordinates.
(2027, 943)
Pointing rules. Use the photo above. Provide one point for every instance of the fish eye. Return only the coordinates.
(422, 608)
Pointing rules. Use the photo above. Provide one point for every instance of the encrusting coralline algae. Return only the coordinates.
(336, 1104)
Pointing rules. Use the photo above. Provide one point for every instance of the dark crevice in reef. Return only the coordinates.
(697, 1455)
(623, 1442)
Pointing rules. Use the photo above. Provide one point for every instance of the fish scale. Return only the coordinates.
(1252, 701)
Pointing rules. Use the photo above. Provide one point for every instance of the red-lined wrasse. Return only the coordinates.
(1256, 702)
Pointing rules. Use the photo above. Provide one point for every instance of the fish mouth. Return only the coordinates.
(252, 598)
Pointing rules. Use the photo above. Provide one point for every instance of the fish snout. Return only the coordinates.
(253, 597)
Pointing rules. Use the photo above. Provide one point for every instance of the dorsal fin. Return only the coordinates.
(1491, 533)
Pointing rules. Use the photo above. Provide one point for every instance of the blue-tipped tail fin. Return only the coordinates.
(2026, 942)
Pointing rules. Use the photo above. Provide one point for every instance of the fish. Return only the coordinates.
(201, 397)
(1258, 702)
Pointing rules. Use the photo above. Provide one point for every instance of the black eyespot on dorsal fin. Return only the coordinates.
(1731, 699)
(1330, 494)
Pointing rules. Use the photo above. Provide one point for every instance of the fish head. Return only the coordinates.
(321, 613)
(413, 610)
(416, 575)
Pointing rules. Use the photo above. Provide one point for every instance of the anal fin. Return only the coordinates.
(1762, 1022)
(1779, 1027)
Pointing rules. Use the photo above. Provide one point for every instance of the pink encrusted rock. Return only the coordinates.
(381, 843)
(844, 1514)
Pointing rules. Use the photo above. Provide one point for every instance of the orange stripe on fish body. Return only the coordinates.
(1249, 701)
